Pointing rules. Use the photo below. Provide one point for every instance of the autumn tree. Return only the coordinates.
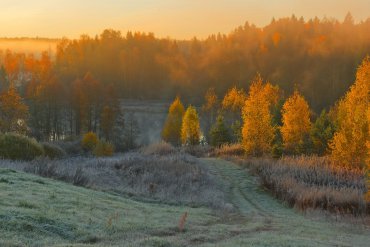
(172, 128)
(131, 132)
(232, 104)
(296, 123)
(13, 112)
(4, 84)
(234, 100)
(190, 129)
(258, 130)
(118, 132)
(349, 143)
(86, 103)
(367, 195)
(107, 120)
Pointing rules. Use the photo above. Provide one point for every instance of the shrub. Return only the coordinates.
(89, 141)
(18, 147)
(103, 148)
(71, 147)
(160, 148)
(53, 151)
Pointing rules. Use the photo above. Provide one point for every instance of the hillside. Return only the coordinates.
(36, 211)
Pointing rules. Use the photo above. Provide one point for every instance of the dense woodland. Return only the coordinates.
(78, 89)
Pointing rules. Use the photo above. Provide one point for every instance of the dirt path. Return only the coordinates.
(278, 224)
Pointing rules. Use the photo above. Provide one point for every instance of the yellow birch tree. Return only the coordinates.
(296, 123)
(258, 131)
(172, 128)
(350, 144)
(190, 130)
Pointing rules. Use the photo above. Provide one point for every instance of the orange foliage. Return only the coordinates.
(349, 145)
(258, 131)
(296, 123)
(13, 112)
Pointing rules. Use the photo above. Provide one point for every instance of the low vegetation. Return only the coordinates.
(53, 151)
(18, 147)
(103, 148)
(229, 150)
(172, 178)
(313, 182)
(38, 211)
(89, 141)
(160, 148)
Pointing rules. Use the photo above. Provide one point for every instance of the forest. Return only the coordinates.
(71, 90)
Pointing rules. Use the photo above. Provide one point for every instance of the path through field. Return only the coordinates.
(273, 224)
(36, 211)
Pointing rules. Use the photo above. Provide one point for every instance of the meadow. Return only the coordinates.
(140, 199)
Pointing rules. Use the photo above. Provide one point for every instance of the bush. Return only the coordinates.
(103, 148)
(53, 151)
(70, 147)
(160, 148)
(89, 141)
(18, 147)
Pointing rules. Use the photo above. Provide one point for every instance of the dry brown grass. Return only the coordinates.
(198, 150)
(313, 182)
(176, 178)
(160, 148)
(235, 149)
(172, 178)
(182, 222)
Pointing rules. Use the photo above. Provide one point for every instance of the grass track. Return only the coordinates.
(278, 224)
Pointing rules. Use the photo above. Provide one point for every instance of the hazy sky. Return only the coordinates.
(175, 18)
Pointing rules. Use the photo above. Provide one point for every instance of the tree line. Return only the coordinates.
(78, 89)
(266, 123)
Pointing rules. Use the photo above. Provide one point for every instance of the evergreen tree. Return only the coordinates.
(233, 103)
(209, 109)
(219, 134)
(322, 132)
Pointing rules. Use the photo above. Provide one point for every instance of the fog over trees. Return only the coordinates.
(79, 87)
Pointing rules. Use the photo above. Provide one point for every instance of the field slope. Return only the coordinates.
(37, 211)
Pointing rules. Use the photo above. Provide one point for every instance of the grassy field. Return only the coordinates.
(37, 211)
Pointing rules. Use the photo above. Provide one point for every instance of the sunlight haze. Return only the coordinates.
(181, 19)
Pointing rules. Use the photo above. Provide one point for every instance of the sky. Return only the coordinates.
(179, 19)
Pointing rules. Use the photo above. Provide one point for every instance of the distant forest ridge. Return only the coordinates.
(317, 56)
